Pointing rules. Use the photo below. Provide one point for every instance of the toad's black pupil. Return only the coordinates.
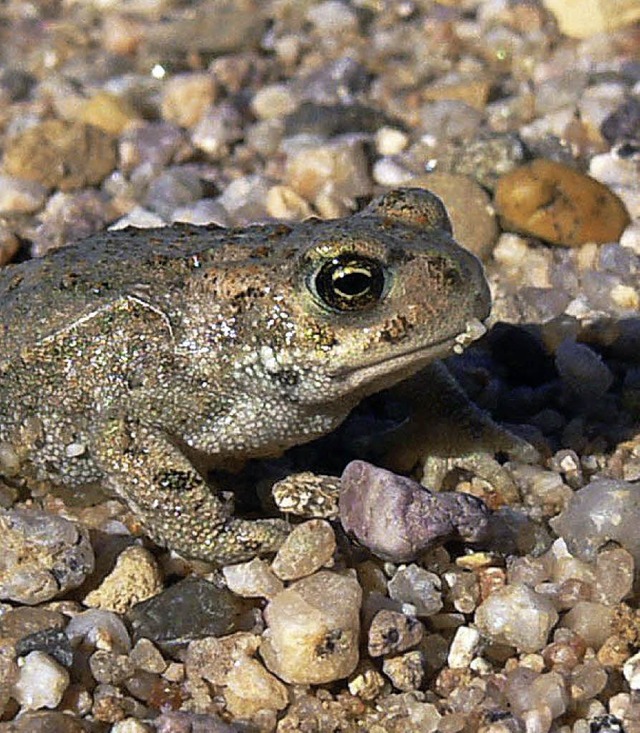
(350, 282)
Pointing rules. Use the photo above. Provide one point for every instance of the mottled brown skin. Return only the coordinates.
(141, 359)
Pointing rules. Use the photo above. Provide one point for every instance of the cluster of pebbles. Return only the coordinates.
(525, 119)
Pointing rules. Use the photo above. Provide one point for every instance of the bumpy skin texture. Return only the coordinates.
(141, 359)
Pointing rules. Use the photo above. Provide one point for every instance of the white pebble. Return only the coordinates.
(518, 616)
(387, 172)
(391, 141)
(631, 671)
(41, 682)
(463, 647)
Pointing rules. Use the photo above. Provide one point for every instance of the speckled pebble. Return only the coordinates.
(560, 205)
(43, 556)
(135, 578)
(392, 632)
(406, 671)
(313, 628)
(308, 548)
(213, 658)
(308, 494)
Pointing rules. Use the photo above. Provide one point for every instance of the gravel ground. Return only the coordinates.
(514, 610)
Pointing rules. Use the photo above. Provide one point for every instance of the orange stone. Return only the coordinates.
(559, 204)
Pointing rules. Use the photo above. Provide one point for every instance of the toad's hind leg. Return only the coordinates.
(173, 501)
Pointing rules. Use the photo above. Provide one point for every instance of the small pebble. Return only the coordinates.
(135, 578)
(339, 167)
(107, 112)
(464, 646)
(605, 510)
(214, 658)
(392, 632)
(592, 621)
(99, 629)
(419, 587)
(252, 579)
(308, 548)
(397, 518)
(556, 203)
(41, 682)
(63, 154)
(469, 208)
(251, 688)
(307, 494)
(43, 555)
(518, 616)
(405, 671)
(273, 100)
(20, 197)
(190, 609)
(313, 629)
(595, 16)
(186, 98)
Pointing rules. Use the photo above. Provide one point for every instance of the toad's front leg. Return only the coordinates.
(172, 500)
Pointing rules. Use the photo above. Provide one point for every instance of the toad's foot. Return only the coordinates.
(445, 424)
(173, 501)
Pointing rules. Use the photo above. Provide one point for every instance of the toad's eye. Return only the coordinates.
(350, 282)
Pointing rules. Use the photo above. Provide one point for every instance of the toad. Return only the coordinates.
(140, 360)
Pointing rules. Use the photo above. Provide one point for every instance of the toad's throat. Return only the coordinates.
(408, 362)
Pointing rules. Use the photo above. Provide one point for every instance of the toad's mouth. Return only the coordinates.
(397, 366)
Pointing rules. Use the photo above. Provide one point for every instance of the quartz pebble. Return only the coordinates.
(419, 587)
(252, 579)
(605, 510)
(310, 546)
(101, 629)
(313, 628)
(41, 682)
(43, 555)
(518, 616)
(592, 621)
(463, 647)
(251, 688)
(560, 205)
(135, 578)
(397, 519)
